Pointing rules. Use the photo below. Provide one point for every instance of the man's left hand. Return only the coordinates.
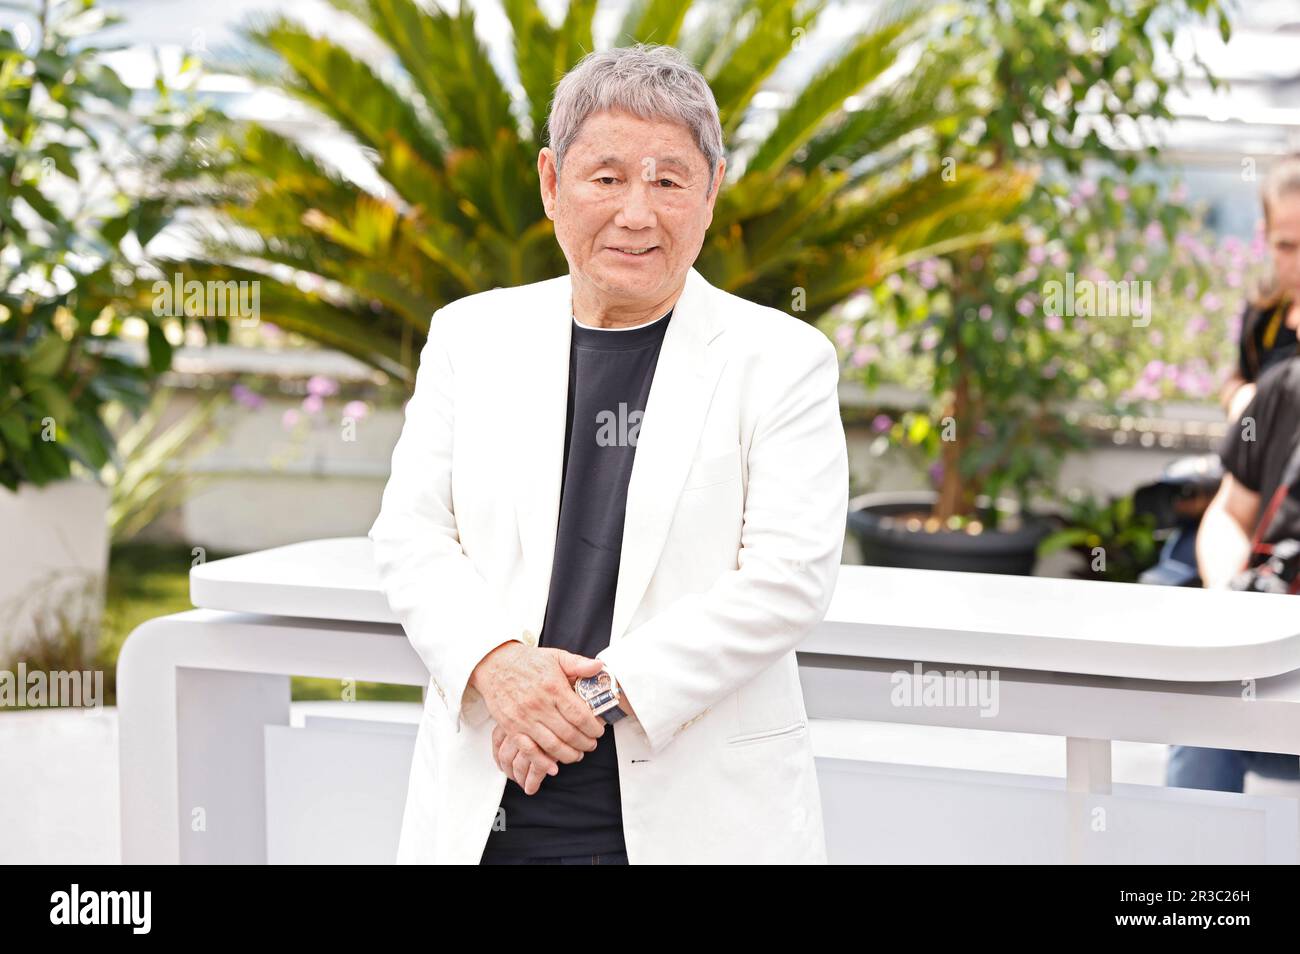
(518, 766)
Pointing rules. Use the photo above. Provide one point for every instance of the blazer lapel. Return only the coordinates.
(541, 390)
(685, 375)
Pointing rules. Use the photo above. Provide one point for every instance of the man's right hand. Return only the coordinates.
(529, 693)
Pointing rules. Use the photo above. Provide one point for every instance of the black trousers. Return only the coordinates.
(603, 858)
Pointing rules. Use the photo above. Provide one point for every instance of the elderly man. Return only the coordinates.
(616, 507)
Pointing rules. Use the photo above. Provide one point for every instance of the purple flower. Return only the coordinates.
(357, 410)
(246, 398)
(864, 354)
(320, 386)
(313, 403)
(881, 423)
(1142, 391)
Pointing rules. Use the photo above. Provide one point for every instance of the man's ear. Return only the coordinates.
(548, 177)
(717, 188)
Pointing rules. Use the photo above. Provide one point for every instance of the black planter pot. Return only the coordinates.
(888, 542)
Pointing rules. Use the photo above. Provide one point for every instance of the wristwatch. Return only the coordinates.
(601, 693)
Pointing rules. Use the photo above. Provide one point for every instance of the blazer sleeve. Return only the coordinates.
(450, 614)
(706, 645)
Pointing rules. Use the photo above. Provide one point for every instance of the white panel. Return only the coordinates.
(335, 796)
(878, 813)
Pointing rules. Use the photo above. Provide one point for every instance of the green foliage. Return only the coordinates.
(1115, 542)
(1034, 360)
(1057, 79)
(1047, 86)
(71, 239)
(153, 476)
(801, 224)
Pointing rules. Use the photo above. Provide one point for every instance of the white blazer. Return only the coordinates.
(731, 546)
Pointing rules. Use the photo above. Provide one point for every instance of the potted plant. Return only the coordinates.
(993, 331)
(1113, 540)
(71, 250)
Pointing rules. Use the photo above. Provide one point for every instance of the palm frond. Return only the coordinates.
(737, 77)
(866, 58)
(652, 21)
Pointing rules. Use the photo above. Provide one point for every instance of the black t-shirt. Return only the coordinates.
(579, 809)
(1254, 355)
(1272, 419)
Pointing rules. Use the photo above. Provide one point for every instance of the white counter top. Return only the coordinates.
(973, 619)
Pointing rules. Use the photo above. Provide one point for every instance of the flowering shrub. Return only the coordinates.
(314, 412)
(1112, 294)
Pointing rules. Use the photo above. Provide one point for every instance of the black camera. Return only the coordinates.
(1277, 574)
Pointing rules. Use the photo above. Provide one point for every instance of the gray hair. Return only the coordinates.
(648, 80)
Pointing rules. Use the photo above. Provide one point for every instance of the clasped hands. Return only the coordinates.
(540, 719)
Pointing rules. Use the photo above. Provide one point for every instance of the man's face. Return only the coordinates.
(1284, 239)
(630, 183)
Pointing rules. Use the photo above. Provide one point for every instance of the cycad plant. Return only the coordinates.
(844, 188)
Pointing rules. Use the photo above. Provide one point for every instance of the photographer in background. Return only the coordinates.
(1249, 539)
(1271, 318)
